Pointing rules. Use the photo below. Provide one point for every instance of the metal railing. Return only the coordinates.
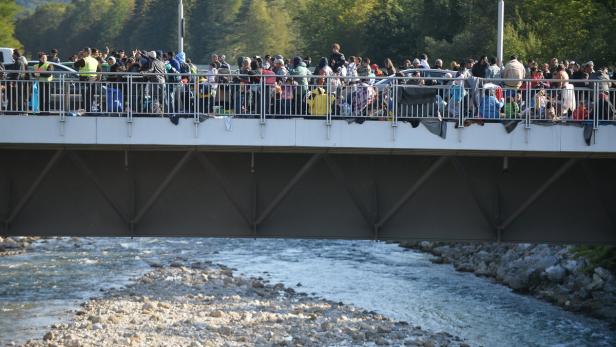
(393, 99)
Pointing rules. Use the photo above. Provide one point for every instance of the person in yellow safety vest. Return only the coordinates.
(88, 68)
(44, 78)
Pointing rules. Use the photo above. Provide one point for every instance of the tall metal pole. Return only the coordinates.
(180, 26)
(501, 27)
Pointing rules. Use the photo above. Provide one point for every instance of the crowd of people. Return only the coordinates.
(169, 82)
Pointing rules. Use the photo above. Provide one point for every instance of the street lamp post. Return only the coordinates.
(180, 26)
(501, 27)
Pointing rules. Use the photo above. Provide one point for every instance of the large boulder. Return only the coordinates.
(9, 243)
(556, 273)
(573, 265)
(605, 275)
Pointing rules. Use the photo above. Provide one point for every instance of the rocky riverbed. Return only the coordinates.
(549, 272)
(203, 304)
(15, 245)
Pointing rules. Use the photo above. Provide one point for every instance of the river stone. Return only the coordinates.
(216, 314)
(555, 273)
(603, 273)
(596, 284)
(9, 243)
(572, 265)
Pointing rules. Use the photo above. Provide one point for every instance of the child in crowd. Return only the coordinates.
(511, 108)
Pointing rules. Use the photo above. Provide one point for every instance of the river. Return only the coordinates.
(41, 287)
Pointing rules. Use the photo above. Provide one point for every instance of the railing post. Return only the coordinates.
(62, 106)
(528, 102)
(129, 113)
(394, 119)
(195, 98)
(264, 95)
(596, 108)
(328, 116)
(462, 102)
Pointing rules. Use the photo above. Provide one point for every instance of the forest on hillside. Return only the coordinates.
(450, 29)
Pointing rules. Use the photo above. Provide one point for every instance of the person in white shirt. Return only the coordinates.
(423, 62)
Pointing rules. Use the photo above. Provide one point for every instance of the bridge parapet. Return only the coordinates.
(303, 135)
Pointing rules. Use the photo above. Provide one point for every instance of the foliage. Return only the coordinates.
(603, 256)
(8, 10)
(449, 29)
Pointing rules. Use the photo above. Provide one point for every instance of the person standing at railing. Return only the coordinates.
(156, 70)
(514, 70)
(565, 93)
(390, 68)
(88, 67)
(480, 68)
(172, 67)
(493, 71)
(3, 86)
(323, 71)
(300, 75)
(18, 90)
(44, 79)
(423, 61)
(337, 58)
(54, 58)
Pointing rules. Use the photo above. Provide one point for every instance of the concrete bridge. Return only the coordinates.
(305, 178)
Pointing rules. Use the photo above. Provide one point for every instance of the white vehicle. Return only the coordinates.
(59, 68)
(6, 55)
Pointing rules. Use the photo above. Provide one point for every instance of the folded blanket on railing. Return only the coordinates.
(413, 95)
(417, 102)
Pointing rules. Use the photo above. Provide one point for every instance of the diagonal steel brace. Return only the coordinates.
(37, 182)
(411, 191)
(339, 175)
(208, 166)
(161, 188)
(484, 213)
(536, 195)
(78, 161)
(285, 191)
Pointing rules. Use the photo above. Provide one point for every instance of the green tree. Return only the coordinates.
(35, 31)
(8, 10)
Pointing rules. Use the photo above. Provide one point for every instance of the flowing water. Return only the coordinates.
(39, 288)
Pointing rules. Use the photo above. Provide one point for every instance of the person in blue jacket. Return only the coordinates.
(489, 107)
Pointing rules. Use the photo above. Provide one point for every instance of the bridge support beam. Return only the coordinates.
(123, 192)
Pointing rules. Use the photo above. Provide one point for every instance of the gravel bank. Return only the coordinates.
(206, 305)
(548, 272)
